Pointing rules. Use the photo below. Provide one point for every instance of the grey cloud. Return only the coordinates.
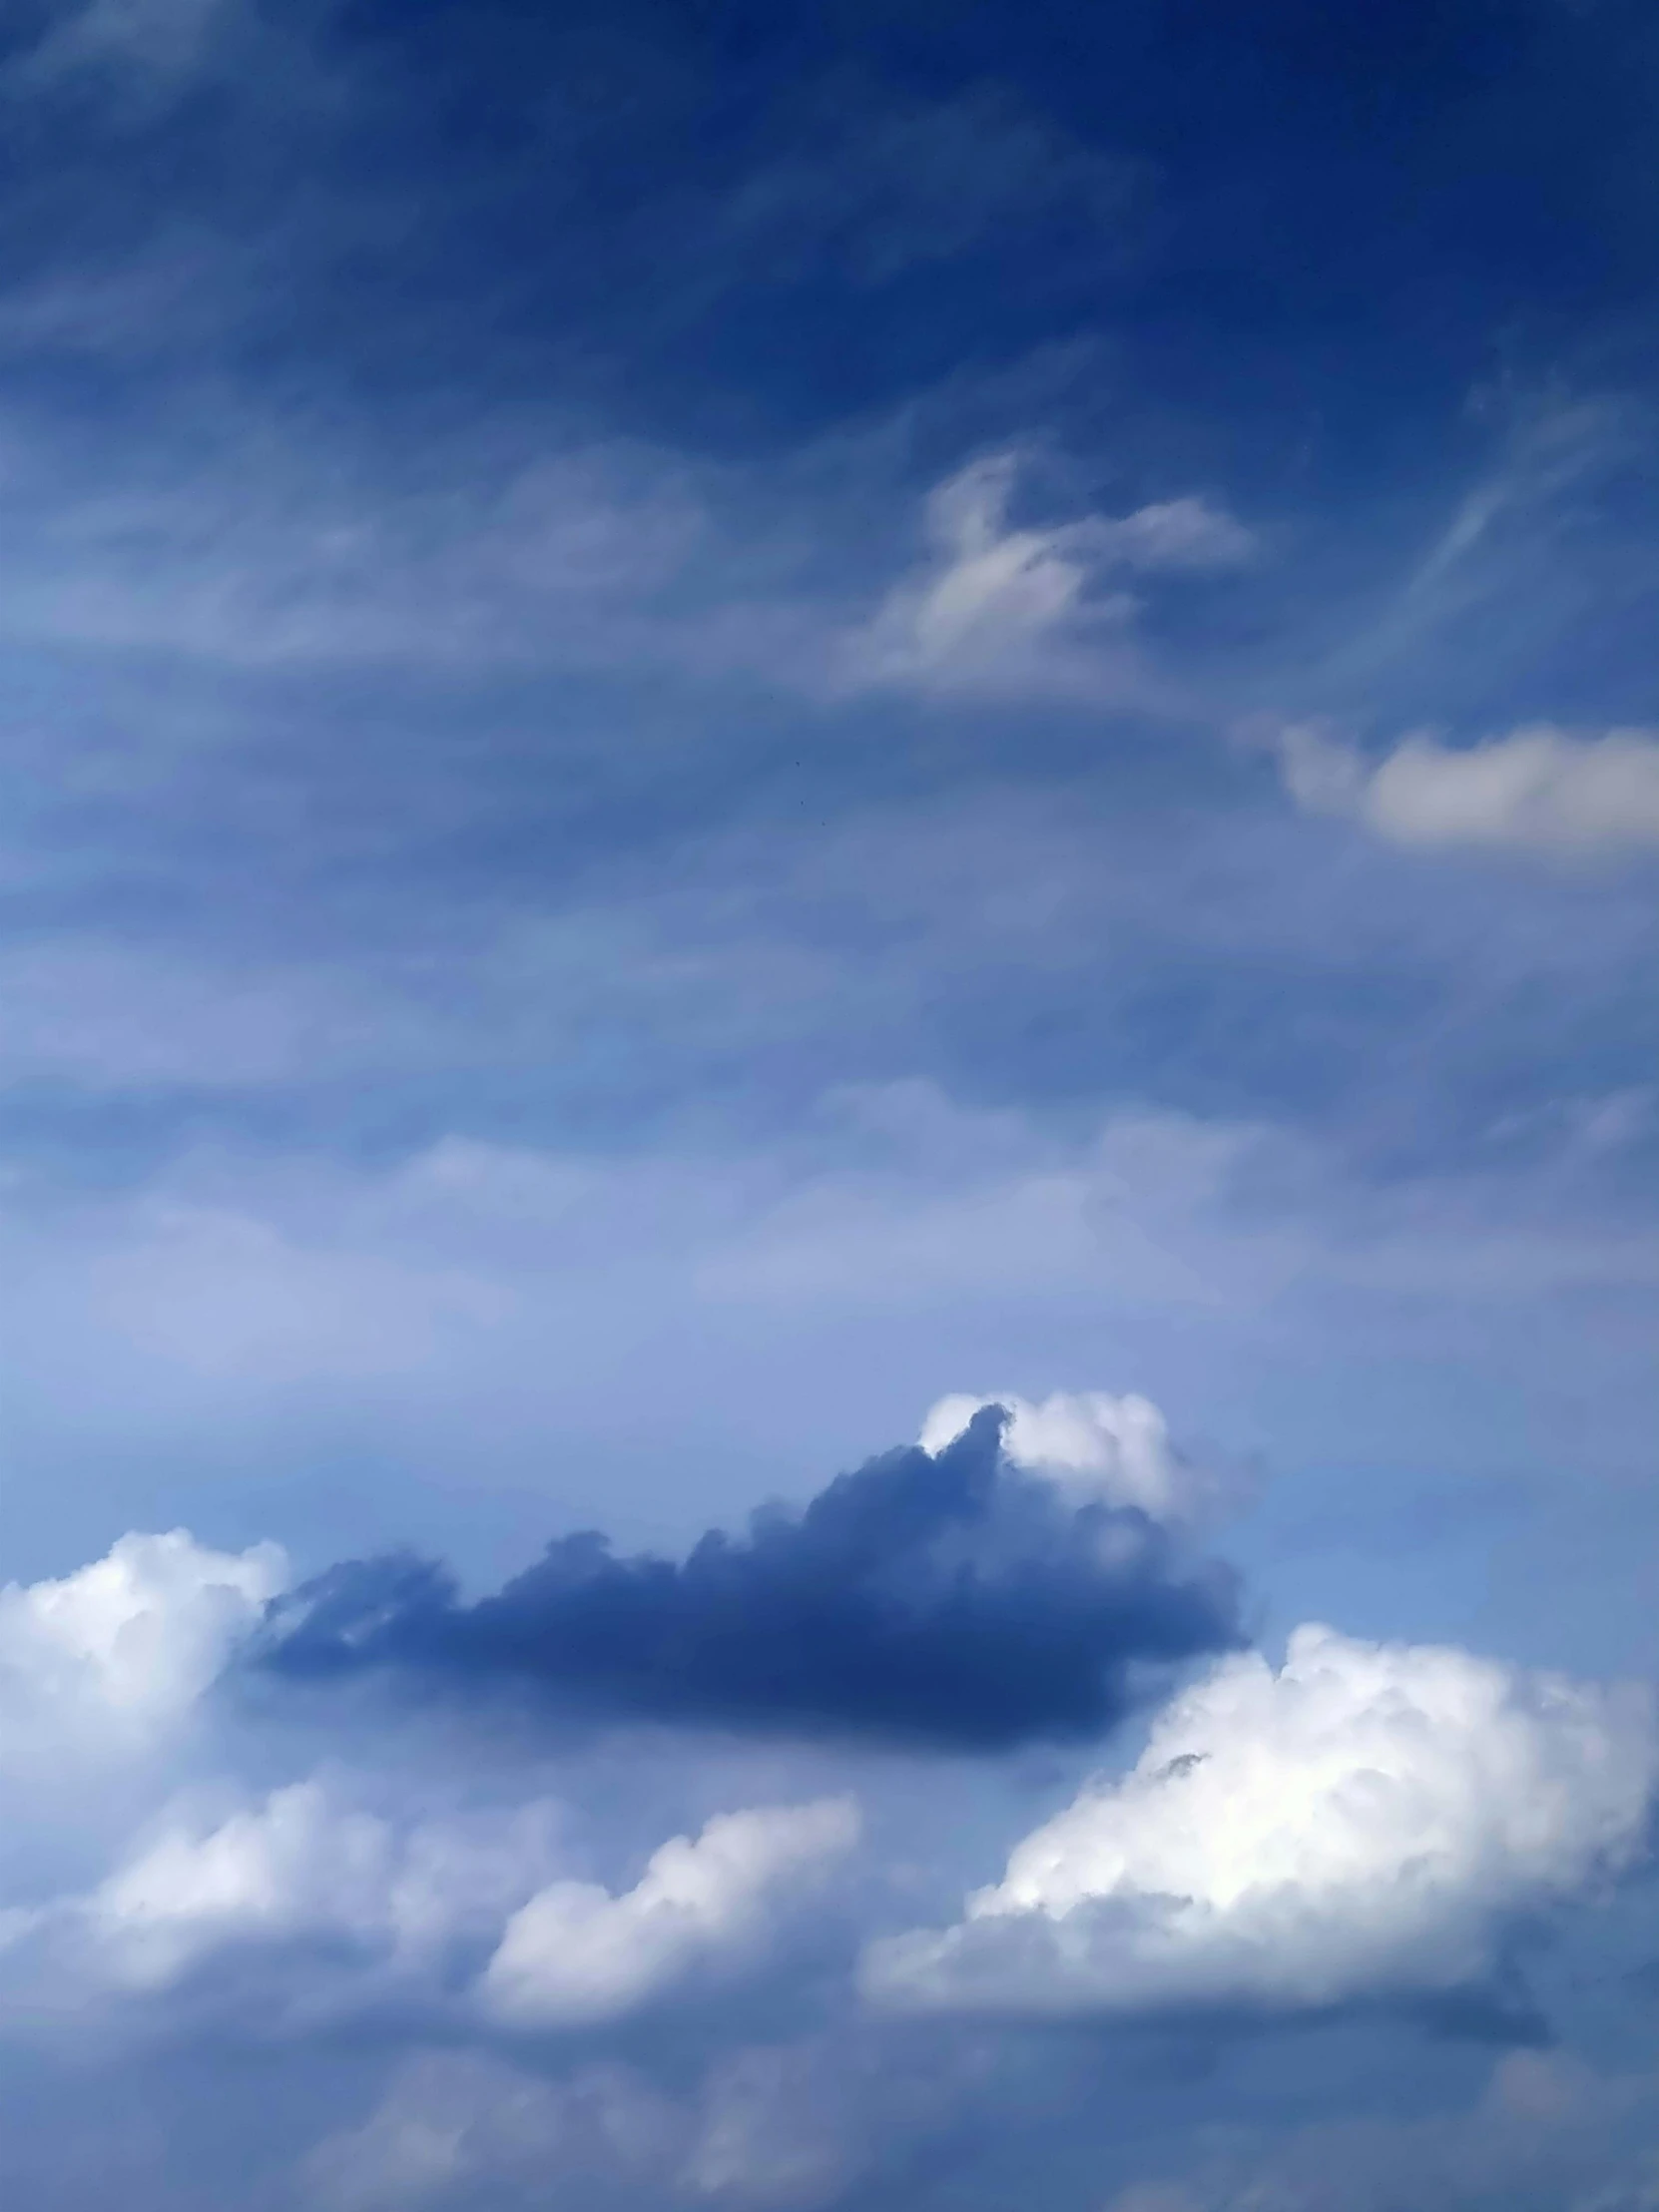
(945, 1602)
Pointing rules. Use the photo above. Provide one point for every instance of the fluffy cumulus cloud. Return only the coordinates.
(1539, 789)
(1088, 1443)
(151, 1880)
(940, 1599)
(545, 1996)
(275, 1911)
(292, 1865)
(1364, 1820)
(100, 1663)
(577, 1953)
(999, 607)
(309, 1904)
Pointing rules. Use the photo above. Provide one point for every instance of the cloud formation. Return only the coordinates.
(999, 607)
(1538, 791)
(100, 1663)
(940, 1600)
(1115, 1451)
(575, 1954)
(310, 1902)
(1542, 2125)
(1361, 1821)
(767, 2128)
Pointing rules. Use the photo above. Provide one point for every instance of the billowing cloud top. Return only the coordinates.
(942, 1599)
(576, 1954)
(1360, 1821)
(1114, 1449)
(103, 1660)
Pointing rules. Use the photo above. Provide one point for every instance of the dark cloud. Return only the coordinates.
(946, 1601)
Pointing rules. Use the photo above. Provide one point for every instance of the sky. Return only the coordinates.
(828, 1106)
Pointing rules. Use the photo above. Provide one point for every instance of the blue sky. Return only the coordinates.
(725, 721)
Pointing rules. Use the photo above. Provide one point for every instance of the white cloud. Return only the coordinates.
(1361, 1821)
(295, 1863)
(1001, 608)
(577, 1953)
(104, 1660)
(1538, 789)
(1174, 535)
(322, 1896)
(231, 1900)
(1115, 1450)
(304, 1860)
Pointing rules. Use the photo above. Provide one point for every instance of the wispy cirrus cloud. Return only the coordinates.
(1001, 609)
(158, 39)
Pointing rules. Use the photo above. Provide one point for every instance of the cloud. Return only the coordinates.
(1550, 545)
(1547, 2131)
(944, 1601)
(1363, 1821)
(102, 1014)
(301, 1903)
(310, 1903)
(775, 2132)
(575, 1954)
(1175, 536)
(453, 2122)
(101, 1662)
(1093, 1445)
(1536, 791)
(162, 38)
(1003, 609)
(227, 1296)
(766, 2127)
(473, 1298)
(876, 187)
(254, 548)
